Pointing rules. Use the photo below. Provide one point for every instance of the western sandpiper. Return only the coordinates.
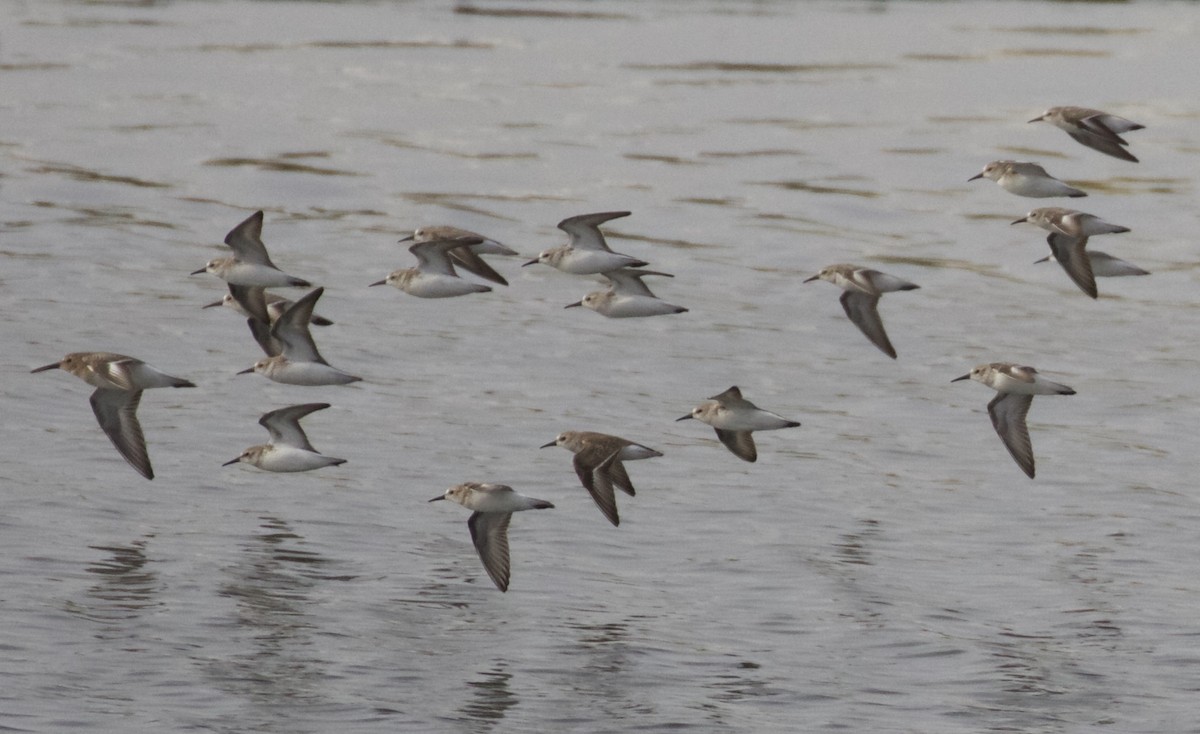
(1105, 265)
(250, 264)
(434, 276)
(627, 296)
(119, 382)
(493, 506)
(466, 258)
(299, 362)
(734, 418)
(275, 304)
(486, 246)
(1026, 179)
(598, 463)
(861, 290)
(1015, 386)
(1069, 232)
(288, 449)
(586, 252)
(1093, 128)
(1070, 222)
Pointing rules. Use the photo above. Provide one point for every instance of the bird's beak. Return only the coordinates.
(531, 262)
(964, 377)
(686, 417)
(44, 368)
(809, 280)
(246, 371)
(548, 445)
(573, 305)
(1038, 119)
(1044, 259)
(978, 175)
(214, 304)
(1018, 221)
(232, 462)
(379, 282)
(408, 238)
(439, 497)
(201, 270)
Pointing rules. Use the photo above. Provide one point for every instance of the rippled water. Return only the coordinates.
(885, 567)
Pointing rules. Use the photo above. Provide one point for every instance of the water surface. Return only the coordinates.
(885, 567)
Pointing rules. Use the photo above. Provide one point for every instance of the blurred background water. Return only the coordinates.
(884, 567)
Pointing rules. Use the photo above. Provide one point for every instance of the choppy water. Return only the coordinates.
(885, 567)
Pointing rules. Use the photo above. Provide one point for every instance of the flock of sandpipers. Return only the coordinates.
(282, 329)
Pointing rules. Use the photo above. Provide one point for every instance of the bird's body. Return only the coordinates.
(289, 449)
(467, 257)
(1015, 386)
(1070, 222)
(275, 305)
(1104, 265)
(627, 296)
(735, 418)
(434, 275)
(1097, 130)
(861, 291)
(492, 507)
(1069, 232)
(298, 362)
(250, 265)
(1024, 178)
(586, 253)
(119, 381)
(599, 465)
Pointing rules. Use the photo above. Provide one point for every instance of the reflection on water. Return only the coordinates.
(489, 696)
(284, 163)
(125, 589)
(279, 663)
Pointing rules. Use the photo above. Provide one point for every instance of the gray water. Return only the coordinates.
(886, 567)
